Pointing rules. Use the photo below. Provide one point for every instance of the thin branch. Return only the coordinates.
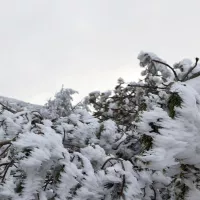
(143, 86)
(9, 109)
(6, 170)
(190, 70)
(2, 143)
(147, 86)
(175, 74)
(154, 191)
(109, 159)
(2, 164)
(5, 150)
(74, 107)
(124, 178)
(194, 76)
(63, 140)
(115, 148)
(8, 141)
(38, 196)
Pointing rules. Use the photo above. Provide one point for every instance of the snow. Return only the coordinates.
(194, 83)
(129, 147)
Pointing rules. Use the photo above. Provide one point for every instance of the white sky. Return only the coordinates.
(87, 44)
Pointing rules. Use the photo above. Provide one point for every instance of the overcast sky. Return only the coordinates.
(87, 44)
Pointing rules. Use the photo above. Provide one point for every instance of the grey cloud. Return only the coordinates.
(87, 44)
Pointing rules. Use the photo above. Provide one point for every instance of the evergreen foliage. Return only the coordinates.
(141, 141)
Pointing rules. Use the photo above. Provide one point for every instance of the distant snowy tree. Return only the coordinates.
(141, 141)
(61, 105)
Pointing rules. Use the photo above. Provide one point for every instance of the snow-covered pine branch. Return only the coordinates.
(141, 141)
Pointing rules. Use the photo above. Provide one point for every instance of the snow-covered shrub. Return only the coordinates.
(141, 142)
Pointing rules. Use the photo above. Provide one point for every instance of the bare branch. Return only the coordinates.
(190, 70)
(194, 76)
(2, 143)
(5, 150)
(175, 74)
(6, 108)
(2, 164)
